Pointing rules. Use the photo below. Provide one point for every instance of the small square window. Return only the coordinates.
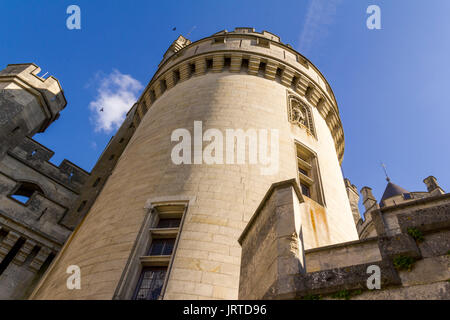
(150, 283)
(161, 247)
(169, 223)
(305, 190)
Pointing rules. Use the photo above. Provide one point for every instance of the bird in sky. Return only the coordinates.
(174, 28)
(101, 110)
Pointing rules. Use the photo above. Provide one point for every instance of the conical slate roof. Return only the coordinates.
(392, 190)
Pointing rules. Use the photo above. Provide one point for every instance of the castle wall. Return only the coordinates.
(411, 265)
(32, 231)
(208, 81)
(31, 228)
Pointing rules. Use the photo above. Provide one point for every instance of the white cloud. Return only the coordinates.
(319, 17)
(117, 93)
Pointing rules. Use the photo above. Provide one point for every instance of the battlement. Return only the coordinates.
(245, 51)
(48, 90)
(247, 30)
(37, 156)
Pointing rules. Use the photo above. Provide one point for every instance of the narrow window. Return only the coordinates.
(112, 157)
(150, 283)
(32, 255)
(244, 65)
(3, 234)
(294, 82)
(191, 69)
(262, 69)
(163, 86)
(308, 173)
(82, 205)
(11, 254)
(176, 76)
(209, 64)
(278, 75)
(152, 96)
(121, 140)
(227, 63)
(97, 181)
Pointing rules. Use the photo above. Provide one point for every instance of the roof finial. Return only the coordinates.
(385, 172)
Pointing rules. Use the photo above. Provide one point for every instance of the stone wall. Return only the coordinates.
(414, 260)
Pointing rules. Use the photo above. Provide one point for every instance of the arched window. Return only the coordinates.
(25, 191)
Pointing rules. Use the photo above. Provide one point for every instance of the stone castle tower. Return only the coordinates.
(35, 195)
(163, 230)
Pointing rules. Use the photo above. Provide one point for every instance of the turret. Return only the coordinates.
(433, 186)
(28, 103)
(353, 197)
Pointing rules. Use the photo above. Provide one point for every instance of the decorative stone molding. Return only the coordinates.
(299, 114)
(297, 73)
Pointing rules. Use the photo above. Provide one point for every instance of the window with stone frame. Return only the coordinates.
(150, 283)
(308, 173)
(155, 250)
(300, 114)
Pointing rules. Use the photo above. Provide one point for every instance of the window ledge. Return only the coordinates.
(164, 233)
(155, 261)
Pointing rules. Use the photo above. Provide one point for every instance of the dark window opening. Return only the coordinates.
(303, 171)
(161, 247)
(294, 82)
(121, 140)
(144, 107)
(176, 76)
(97, 181)
(308, 92)
(46, 263)
(112, 157)
(227, 63)
(152, 96)
(244, 65)
(407, 196)
(25, 191)
(279, 74)
(150, 283)
(262, 69)
(191, 69)
(168, 223)
(219, 40)
(82, 205)
(305, 190)
(32, 254)
(3, 234)
(209, 64)
(11, 254)
(33, 153)
(163, 86)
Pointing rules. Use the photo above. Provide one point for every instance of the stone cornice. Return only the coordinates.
(297, 74)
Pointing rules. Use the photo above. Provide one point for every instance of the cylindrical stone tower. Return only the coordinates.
(167, 221)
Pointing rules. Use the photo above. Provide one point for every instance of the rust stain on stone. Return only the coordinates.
(319, 222)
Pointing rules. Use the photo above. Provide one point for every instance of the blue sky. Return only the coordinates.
(391, 84)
